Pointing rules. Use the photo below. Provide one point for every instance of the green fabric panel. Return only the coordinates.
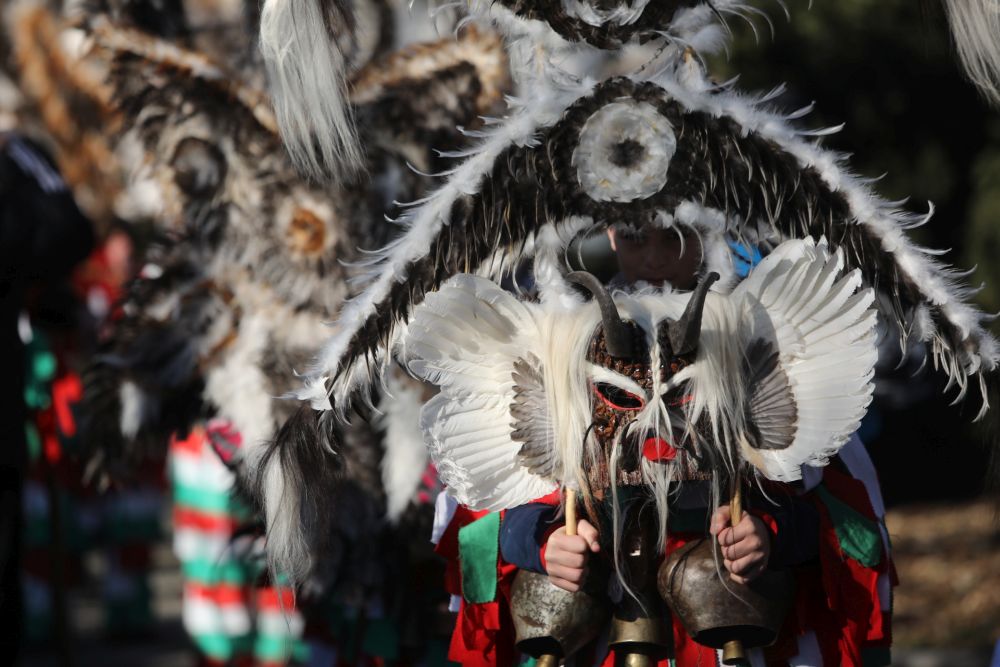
(208, 572)
(381, 639)
(876, 656)
(858, 535)
(300, 652)
(478, 550)
(274, 648)
(41, 368)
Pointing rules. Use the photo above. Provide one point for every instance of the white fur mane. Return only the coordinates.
(975, 27)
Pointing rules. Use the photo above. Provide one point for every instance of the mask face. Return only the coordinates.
(621, 391)
(636, 407)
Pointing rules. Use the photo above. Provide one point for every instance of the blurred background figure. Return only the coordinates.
(43, 235)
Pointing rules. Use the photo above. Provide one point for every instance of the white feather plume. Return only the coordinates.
(824, 330)
(405, 458)
(466, 338)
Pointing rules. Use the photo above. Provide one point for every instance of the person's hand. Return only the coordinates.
(746, 547)
(566, 555)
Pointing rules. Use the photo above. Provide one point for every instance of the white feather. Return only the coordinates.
(466, 338)
(136, 408)
(405, 457)
(824, 331)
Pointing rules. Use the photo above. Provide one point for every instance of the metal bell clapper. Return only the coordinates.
(549, 623)
(715, 610)
(641, 633)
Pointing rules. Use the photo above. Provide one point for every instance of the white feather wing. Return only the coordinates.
(799, 303)
(474, 340)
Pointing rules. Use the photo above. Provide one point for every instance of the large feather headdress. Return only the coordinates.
(643, 151)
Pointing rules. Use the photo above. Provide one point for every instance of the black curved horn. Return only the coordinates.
(617, 334)
(685, 332)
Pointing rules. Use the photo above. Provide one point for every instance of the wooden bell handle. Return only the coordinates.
(736, 505)
(570, 511)
(733, 652)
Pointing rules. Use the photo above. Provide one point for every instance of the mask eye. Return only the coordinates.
(617, 398)
(677, 365)
(681, 401)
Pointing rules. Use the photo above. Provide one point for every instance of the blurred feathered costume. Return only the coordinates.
(662, 146)
(251, 264)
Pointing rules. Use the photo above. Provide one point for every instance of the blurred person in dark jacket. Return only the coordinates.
(43, 235)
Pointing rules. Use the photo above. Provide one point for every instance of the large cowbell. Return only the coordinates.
(550, 623)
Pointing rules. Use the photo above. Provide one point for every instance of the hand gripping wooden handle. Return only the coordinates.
(570, 511)
(733, 652)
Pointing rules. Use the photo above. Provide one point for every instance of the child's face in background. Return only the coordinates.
(658, 256)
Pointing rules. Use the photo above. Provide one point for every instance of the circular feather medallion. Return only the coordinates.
(624, 152)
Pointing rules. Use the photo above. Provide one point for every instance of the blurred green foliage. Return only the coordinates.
(885, 68)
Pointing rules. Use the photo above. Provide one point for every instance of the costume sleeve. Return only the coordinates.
(794, 526)
(524, 533)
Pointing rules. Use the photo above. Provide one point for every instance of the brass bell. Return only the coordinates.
(715, 610)
(641, 633)
(550, 623)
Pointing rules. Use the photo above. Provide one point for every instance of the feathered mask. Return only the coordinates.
(776, 374)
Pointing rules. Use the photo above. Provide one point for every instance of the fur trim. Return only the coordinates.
(303, 45)
(294, 481)
(975, 27)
